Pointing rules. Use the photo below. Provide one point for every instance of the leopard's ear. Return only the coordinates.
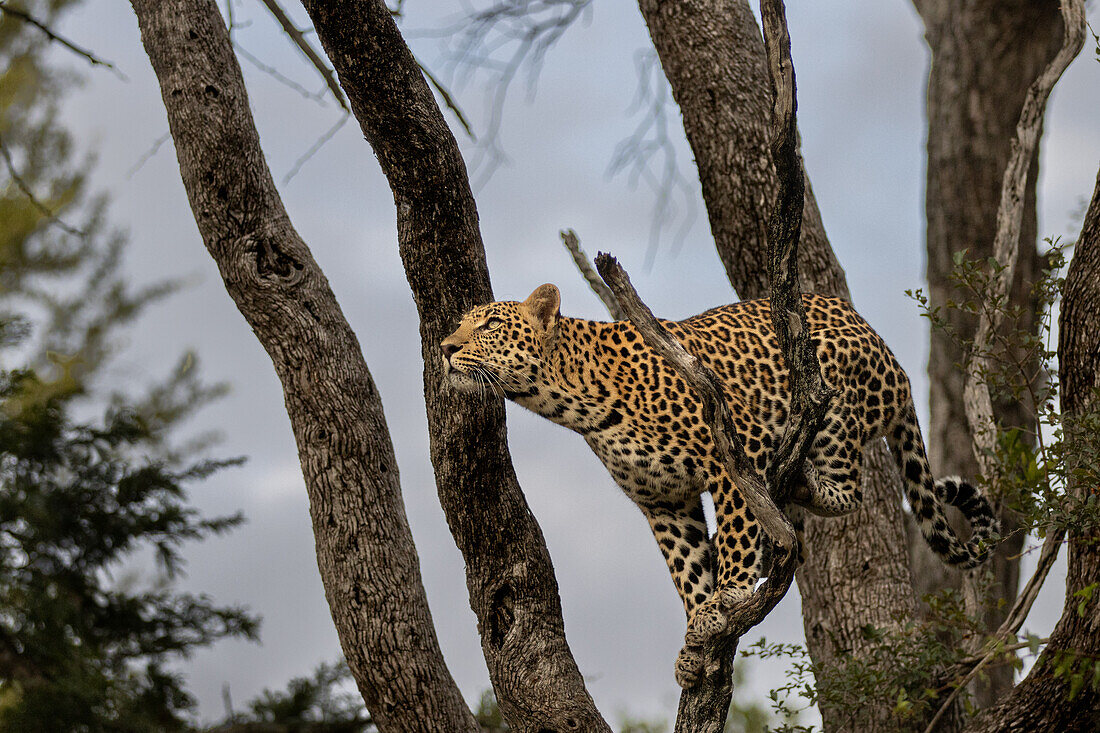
(542, 306)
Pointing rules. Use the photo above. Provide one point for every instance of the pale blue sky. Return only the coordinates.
(861, 68)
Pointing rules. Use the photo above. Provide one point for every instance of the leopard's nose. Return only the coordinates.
(449, 350)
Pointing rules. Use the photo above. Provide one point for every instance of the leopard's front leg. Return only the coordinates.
(738, 559)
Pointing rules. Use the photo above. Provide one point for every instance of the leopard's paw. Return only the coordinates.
(689, 666)
(707, 622)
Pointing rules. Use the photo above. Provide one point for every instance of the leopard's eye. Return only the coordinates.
(493, 323)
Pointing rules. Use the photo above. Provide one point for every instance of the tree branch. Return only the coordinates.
(307, 50)
(365, 550)
(58, 38)
(509, 575)
(1006, 245)
(24, 187)
(702, 380)
(599, 287)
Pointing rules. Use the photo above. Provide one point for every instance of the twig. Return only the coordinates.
(1006, 245)
(148, 154)
(1016, 616)
(57, 38)
(23, 186)
(599, 287)
(1005, 649)
(307, 50)
(448, 99)
(317, 145)
(277, 75)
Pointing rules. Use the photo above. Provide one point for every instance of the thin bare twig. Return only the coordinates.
(448, 99)
(317, 145)
(55, 37)
(148, 154)
(25, 188)
(276, 74)
(525, 30)
(307, 50)
(599, 287)
(649, 154)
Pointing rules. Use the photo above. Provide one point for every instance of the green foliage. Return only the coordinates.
(93, 505)
(1032, 467)
(488, 714)
(320, 702)
(1033, 470)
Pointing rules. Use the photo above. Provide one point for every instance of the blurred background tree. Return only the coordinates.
(93, 503)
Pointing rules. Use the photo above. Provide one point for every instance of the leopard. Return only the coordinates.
(601, 380)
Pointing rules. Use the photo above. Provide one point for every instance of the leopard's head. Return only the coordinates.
(503, 347)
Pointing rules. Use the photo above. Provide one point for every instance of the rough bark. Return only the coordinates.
(857, 569)
(509, 575)
(985, 54)
(1042, 701)
(364, 548)
(713, 55)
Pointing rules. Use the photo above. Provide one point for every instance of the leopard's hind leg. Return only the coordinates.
(830, 484)
(680, 529)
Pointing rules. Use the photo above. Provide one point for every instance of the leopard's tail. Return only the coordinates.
(927, 498)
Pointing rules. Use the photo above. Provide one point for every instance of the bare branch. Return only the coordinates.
(148, 154)
(448, 99)
(276, 74)
(316, 146)
(599, 287)
(307, 50)
(702, 380)
(811, 396)
(57, 38)
(23, 186)
(705, 706)
(976, 398)
(649, 154)
(500, 40)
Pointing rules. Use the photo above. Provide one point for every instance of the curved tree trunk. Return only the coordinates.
(1042, 702)
(857, 571)
(985, 54)
(508, 571)
(365, 551)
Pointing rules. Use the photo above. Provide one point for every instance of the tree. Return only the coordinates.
(92, 483)
(279, 289)
(984, 57)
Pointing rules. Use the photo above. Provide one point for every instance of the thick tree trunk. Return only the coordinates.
(509, 575)
(1042, 702)
(857, 571)
(365, 551)
(985, 54)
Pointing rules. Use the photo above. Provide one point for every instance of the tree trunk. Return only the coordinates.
(365, 551)
(857, 571)
(508, 571)
(1043, 701)
(985, 54)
